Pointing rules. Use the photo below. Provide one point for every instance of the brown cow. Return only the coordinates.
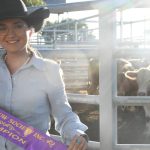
(125, 86)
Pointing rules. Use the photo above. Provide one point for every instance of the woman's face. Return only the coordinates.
(14, 35)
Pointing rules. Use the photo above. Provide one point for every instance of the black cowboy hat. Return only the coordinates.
(17, 9)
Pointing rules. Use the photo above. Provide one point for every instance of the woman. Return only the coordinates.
(31, 87)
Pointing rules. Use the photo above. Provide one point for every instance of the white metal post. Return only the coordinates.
(107, 37)
(76, 32)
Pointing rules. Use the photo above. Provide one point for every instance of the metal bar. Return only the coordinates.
(76, 32)
(107, 45)
(80, 98)
(135, 21)
(58, 30)
(132, 147)
(92, 145)
(70, 52)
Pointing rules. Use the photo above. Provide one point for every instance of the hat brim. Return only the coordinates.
(36, 18)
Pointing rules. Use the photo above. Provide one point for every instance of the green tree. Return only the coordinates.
(34, 2)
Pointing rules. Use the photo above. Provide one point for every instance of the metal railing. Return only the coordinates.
(127, 37)
(73, 36)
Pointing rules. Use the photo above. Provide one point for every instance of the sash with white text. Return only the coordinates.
(26, 136)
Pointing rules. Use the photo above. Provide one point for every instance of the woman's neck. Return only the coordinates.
(15, 61)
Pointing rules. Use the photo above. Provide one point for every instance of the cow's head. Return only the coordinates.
(142, 76)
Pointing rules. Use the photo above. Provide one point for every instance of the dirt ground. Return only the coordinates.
(131, 123)
(89, 115)
(132, 127)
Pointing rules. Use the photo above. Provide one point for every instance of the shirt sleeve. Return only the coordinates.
(67, 123)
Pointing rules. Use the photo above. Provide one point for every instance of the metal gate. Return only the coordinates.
(109, 53)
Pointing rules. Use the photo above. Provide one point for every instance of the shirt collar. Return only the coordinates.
(37, 61)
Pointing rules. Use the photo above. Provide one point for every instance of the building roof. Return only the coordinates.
(103, 5)
(98, 4)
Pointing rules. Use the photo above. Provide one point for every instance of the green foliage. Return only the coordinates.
(34, 2)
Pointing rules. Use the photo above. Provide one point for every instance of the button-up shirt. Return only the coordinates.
(34, 93)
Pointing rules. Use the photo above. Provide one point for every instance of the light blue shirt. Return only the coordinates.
(34, 93)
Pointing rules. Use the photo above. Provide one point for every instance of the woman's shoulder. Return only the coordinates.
(51, 64)
(53, 70)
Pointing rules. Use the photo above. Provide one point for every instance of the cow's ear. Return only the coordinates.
(132, 75)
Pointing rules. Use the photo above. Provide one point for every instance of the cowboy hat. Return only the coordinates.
(17, 9)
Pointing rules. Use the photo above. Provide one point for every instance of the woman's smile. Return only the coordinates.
(12, 42)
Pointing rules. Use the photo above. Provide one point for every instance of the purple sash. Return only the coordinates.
(26, 136)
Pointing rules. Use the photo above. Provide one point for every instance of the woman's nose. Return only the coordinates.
(10, 32)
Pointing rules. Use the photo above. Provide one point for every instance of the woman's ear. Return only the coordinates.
(31, 31)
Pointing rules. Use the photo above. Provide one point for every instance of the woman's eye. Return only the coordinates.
(2, 28)
(19, 25)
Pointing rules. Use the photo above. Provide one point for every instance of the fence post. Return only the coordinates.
(76, 32)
